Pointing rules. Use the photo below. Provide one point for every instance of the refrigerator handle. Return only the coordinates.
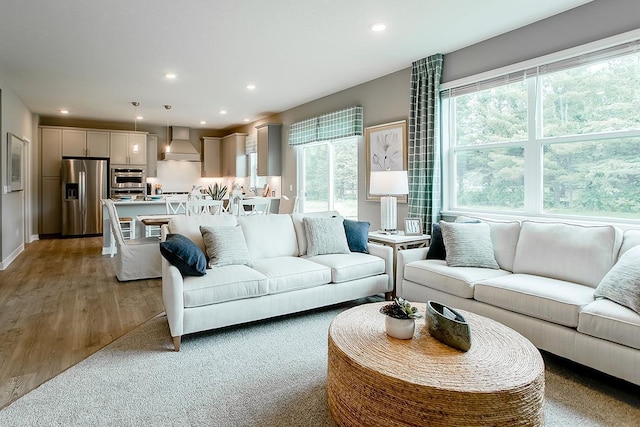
(82, 191)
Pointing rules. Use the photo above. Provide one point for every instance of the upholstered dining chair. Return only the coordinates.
(204, 206)
(256, 206)
(288, 205)
(135, 258)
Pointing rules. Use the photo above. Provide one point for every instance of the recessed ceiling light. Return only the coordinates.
(139, 117)
(378, 26)
(246, 120)
(202, 122)
(223, 111)
(63, 111)
(251, 87)
(171, 75)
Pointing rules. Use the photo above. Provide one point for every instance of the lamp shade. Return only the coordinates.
(389, 183)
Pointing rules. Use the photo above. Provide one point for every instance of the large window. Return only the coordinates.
(328, 176)
(558, 139)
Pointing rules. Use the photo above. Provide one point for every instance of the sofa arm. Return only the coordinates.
(405, 257)
(386, 253)
(173, 298)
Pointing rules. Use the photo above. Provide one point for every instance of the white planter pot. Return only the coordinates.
(399, 328)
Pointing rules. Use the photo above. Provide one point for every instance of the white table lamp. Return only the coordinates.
(389, 184)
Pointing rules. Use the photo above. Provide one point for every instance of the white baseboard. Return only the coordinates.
(12, 256)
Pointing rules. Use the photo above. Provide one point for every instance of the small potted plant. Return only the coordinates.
(217, 192)
(400, 321)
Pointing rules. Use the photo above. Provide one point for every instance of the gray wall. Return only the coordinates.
(17, 119)
(590, 22)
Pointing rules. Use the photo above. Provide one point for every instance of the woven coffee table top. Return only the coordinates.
(374, 379)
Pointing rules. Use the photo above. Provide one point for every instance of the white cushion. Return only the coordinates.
(226, 283)
(610, 321)
(269, 236)
(568, 252)
(345, 267)
(299, 226)
(547, 299)
(290, 273)
(468, 245)
(504, 235)
(325, 236)
(457, 281)
(630, 239)
(190, 225)
(622, 283)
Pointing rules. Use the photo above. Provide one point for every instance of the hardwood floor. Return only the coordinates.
(60, 302)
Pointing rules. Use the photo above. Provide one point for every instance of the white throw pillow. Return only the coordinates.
(468, 245)
(622, 283)
(225, 245)
(325, 236)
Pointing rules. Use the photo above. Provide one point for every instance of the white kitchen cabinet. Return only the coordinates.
(98, 143)
(128, 148)
(234, 156)
(74, 142)
(269, 149)
(152, 156)
(50, 205)
(85, 143)
(211, 157)
(51, 149)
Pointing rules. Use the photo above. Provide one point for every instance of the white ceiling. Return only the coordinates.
(95, 57)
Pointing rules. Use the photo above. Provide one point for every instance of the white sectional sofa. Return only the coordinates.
(544, 289)
(281, 278)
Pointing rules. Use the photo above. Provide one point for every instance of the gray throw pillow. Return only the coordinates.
(622, 283)
(225, 245)
(325, 236)
(468, 244)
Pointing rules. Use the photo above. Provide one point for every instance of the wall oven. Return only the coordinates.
(128, 181)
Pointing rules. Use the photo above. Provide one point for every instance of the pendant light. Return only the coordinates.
(166, 148)
(135, 104)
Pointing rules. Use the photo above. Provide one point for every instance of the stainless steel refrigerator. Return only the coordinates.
(84, 182)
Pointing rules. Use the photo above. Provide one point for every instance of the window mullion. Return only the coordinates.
(533, 151)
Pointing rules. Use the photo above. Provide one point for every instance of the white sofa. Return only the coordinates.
(281, 280)
(544, 289)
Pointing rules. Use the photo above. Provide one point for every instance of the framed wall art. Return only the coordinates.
(412, 227)
(386, 148)
(15, 149)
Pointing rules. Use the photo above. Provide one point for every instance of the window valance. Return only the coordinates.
(335, 125)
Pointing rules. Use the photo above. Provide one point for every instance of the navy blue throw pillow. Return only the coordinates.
(436, 246)
(357, 235)
(180, 251)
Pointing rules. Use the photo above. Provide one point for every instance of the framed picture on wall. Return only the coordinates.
(15, 148)
(386, 148)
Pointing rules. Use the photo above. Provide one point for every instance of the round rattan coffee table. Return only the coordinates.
(376, 380)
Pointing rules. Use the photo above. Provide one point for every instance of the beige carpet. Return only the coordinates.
(270, 373)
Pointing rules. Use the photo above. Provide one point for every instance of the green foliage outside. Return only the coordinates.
(598, 176)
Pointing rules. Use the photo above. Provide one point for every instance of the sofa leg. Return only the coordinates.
(176, 343)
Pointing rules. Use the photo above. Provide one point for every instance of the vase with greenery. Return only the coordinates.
(217, 192)
(400, 318)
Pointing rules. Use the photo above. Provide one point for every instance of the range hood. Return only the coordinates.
(180, 147)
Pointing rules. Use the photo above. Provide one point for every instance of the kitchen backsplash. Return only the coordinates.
(178, 176)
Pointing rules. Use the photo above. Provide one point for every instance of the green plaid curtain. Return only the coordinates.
(338, 124)
(425, 162)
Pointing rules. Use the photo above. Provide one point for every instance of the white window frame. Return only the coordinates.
(300, 158)
(533, 146)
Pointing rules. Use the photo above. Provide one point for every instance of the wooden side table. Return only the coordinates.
(398, 242)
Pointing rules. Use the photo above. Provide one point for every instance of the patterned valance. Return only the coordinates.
(338, 124)
(251, 144)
